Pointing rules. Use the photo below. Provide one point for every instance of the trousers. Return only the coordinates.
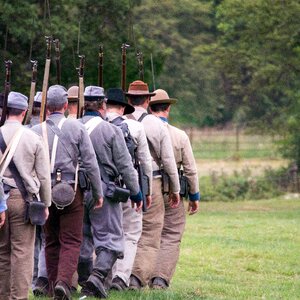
(149, 243)
(16, 251)
(63, 234)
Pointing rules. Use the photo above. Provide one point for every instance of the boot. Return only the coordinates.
(103, 264)
(84, 270)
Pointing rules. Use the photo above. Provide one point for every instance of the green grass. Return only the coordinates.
(236, 250)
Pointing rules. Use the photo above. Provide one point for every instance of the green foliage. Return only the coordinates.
(240, 186)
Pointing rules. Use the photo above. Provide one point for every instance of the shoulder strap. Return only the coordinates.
(10, 163)
(91, 124)
(141, 118)
(117, 121)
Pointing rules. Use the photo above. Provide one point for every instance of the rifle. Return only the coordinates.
(46, 79)
(100, 66)
(140, 59)
(123, 80)
(32, 92)
(81, 87)
(8, 64)
(57, 60)
(143, 181)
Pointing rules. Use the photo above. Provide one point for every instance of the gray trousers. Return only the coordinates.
(132, 226)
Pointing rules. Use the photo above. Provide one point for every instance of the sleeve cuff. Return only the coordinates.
(3, 206)
(194, 197)
(137, 198)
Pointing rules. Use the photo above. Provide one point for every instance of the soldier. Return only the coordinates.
(162, 159)
(114, 161)
(26, 175)
(117, 106)
(73, 101)
(35, 118)
(67, 140)
(174, 220)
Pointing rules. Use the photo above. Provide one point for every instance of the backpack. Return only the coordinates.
(131, 146)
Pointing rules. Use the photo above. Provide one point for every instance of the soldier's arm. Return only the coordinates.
(190, 169)
(42, 169)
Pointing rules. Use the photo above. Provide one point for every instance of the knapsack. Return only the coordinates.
(127, 136)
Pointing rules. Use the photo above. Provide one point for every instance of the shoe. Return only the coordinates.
(41, 287)
(118, 284)
(158, 283)
(62, 291)
(135, 283)
(95, 287)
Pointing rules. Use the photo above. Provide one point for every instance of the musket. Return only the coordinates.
(8, 64)
(46, 79)
(123, 80)
(57, 60)
(100, 66)
(140, 60)
(32, 92)
(143, 182)
(81, 87)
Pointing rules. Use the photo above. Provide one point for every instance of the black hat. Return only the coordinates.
(116, 96)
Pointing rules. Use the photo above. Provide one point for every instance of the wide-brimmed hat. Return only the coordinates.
(161, 96)
(116, 96)
(139, 88)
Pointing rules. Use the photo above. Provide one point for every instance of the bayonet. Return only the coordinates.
(140, 59)
(57, 60)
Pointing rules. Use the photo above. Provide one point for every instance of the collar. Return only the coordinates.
(56, 113)
(164, 119)
(92, 113)
(112, 115)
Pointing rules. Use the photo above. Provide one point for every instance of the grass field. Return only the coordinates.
(236, 250)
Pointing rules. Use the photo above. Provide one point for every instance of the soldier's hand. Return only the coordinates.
(174, 199)
(2, 218)
(46, 213)
(138, 206)
(98, 203)
(193, 207)
(148, 201)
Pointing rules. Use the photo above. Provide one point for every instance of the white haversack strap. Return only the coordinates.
(54, 147)
(12, 147)
(91, 124)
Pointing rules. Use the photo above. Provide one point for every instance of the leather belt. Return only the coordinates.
(64, 176)
(156, 173)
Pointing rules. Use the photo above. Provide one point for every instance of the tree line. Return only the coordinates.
(225, 60)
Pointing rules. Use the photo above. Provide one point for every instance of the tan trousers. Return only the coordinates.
(132, 226)
(16, 251)
(149, 242)
(174, 223)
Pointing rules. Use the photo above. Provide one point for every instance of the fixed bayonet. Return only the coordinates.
(140, 60)
(57, 60)
(100, 66)
(81, 86)
(123, 79)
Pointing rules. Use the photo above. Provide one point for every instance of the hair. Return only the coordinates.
(159, 107)
(137, 100)
(36, 110)
(55, 107)
(92, 105)
(14, 111)
(112, 105)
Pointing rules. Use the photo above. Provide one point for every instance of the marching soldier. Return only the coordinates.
(35, 118)
(26, 175)
(162, 159)
(117, 106)
(67, 141)
(174, 220)
(114, 161)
